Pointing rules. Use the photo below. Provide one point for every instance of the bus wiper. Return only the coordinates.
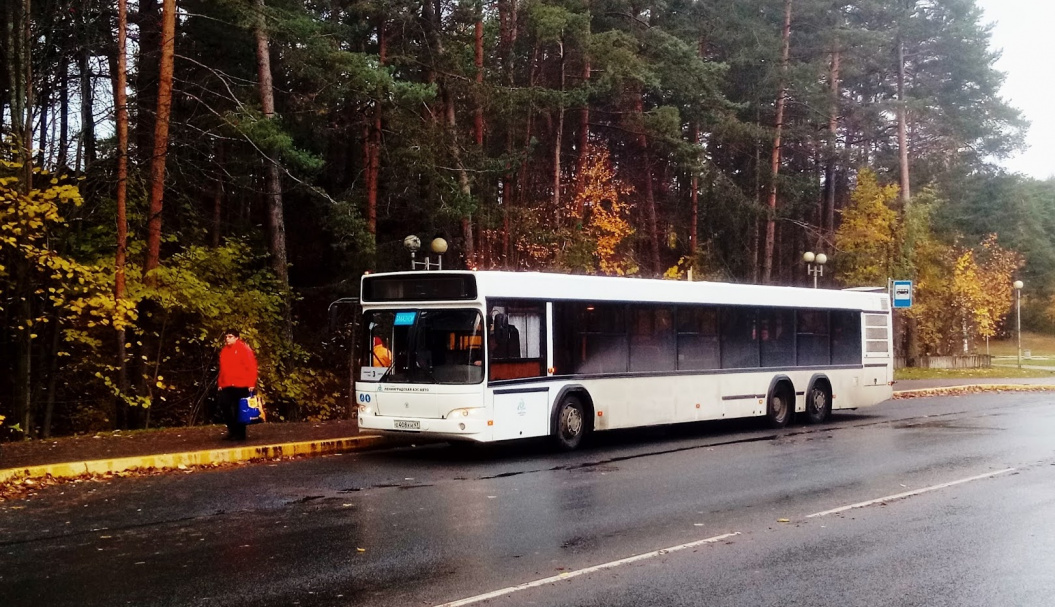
(387, 371)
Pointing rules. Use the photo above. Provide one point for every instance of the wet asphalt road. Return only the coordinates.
(428, 525)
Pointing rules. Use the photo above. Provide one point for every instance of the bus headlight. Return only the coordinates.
(464, 412)
(364, 410)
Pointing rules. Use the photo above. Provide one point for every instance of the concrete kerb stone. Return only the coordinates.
(192, 458)
(972, 388)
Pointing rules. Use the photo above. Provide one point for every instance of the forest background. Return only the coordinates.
(171, 169)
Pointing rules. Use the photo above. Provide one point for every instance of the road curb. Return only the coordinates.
(972, 388)
(190, 458)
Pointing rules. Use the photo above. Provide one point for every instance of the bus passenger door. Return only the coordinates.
(521, 413)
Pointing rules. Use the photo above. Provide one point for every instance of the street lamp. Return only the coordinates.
(437, 246)
(1018, 317)
(814, 270)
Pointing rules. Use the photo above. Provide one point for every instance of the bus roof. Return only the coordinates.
(539, 285)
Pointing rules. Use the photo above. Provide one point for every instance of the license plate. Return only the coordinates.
(407, 424)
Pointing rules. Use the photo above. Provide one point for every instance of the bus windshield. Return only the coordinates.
(425, 346)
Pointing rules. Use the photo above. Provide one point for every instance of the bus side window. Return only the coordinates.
(739, 337)
(698, 337)
(846, 337)
(778, 339)
(652, 339)
(515, 339)
(812, 342)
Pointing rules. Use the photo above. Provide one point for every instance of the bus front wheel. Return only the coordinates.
(571, 424)
(779, 409)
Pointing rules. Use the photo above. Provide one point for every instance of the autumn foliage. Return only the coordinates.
(603, 199)
(962, 294)
(867, 240)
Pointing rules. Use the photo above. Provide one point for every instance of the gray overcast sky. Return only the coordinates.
(1023, 30)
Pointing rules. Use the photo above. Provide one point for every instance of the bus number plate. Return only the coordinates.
(407, 424)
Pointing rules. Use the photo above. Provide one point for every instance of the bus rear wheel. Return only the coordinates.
(818, 404)
(570, 424)
(779, 408)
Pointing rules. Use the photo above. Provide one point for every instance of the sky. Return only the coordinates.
(1022, 30)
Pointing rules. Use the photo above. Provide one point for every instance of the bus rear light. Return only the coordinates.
(490, 422)
(552, 370)
(600, 414)
(697, 405)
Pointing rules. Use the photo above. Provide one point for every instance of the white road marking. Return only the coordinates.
(898, 496)
(648, 555)
(571, 574)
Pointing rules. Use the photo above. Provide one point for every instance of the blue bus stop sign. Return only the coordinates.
(902, 293)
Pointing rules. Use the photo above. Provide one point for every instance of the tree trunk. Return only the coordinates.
(373, 143)
(161, 139)
(558, 140)
(529, 126)
(87, 108)
(755, 223)
(478, 119)
(463, 179)
(430, 17)
(584, 137)
(13, 43)
(507, 38)
(26, 50)
(24, 361)
(121, 110)
(485, 246)
(19, 69)
(902, 125)
(53, 377)
(273, 182)
(771, 220)
(217, 199)
(147, 74)
(912, 330)
(827, 219)
(5, 76)
(45, 104)
(694, 195)
(650, 197)
(64, 118)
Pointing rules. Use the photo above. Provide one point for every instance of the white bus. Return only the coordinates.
(494, 356)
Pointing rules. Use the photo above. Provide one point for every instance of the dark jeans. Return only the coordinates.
(228, 401)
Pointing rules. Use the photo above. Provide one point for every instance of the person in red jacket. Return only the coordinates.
(237, 378)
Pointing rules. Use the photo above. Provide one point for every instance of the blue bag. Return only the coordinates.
(250, 410)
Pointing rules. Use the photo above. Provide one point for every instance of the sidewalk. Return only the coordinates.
(115, 452)
(112, 452)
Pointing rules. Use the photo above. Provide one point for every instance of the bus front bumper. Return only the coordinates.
(461, 428)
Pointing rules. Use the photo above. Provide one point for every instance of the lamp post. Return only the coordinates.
(437, 246)
(814, 265)
(1018, 318)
